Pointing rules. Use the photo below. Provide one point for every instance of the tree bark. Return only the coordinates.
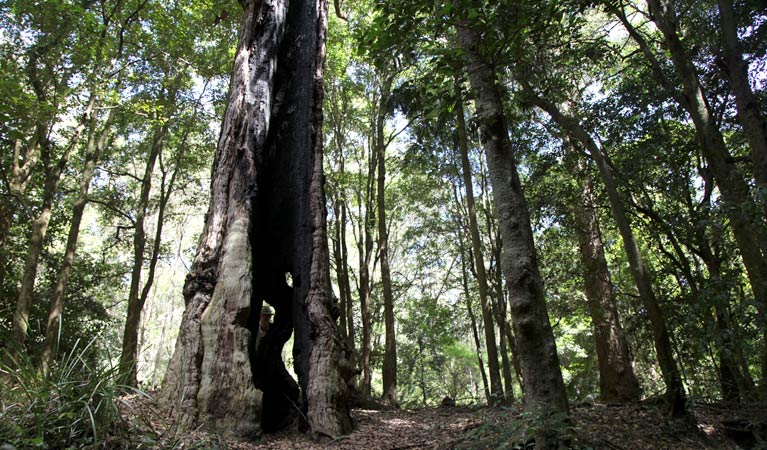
(52, 177)
(129, 354)
(746, 103)
(617, 382)
(266, 220)
(497, 280)
(53, 328)
(390, 343)
(496, 388)
(675, 395)
(545, 396)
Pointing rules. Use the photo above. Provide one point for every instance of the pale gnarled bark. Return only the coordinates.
(266, 220)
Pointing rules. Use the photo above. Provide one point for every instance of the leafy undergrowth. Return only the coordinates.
(596, 426)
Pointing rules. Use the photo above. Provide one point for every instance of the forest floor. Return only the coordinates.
(596, 426)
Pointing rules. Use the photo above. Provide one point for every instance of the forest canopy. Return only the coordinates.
(465, 202)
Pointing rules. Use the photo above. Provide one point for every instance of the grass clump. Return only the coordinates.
(72, 406)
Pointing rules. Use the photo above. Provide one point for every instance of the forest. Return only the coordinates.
(391, 224)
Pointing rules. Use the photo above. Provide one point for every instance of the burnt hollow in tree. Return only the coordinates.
(281, 238)
(279, 249)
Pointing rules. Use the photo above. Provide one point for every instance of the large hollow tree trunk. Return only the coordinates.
(265, 240)
(545, 396)
(496, 388)
(617, 382)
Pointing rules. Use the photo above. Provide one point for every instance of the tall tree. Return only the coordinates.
(97, 141)
(265, 226)
(129, 353)
(748, 227)
(750, 113)
(381, 142)
(617, 382)
(496, 388)
(675, 394)
(545, 395)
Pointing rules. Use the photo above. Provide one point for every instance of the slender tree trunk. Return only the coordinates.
(266, 220)
(6, 219)
(342, 299)
(617, 382)
(675, 394)
(365, 251)
(53, 328)
(341, 214)
(472, 316)
(496, 388)
(39, 227)
(748, 228)
(155, 377)
(348, 312)
(755, 130)
(749, 112)
(545, 396)
(390, 344)
(129, 354)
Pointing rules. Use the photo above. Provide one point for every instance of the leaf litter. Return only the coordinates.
(595, 426)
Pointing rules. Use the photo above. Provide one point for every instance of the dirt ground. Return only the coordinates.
(595, 426)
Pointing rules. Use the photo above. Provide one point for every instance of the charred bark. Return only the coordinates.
(265, 240)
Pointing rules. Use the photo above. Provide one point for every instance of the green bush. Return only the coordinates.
(73, 406)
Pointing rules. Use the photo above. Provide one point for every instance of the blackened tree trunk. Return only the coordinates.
(617, 382)
(496, 388)
(545, 396)
(265, 240)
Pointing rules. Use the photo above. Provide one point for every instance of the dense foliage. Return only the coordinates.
(114, 105)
